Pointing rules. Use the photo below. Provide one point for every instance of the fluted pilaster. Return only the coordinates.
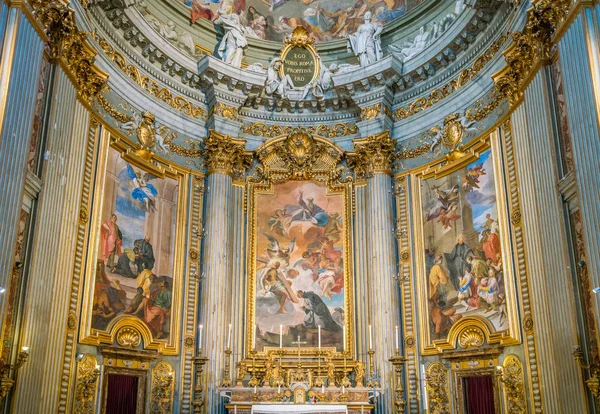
(546, 247)
(371, 160)
(361, 272)
(383, 288)
(215, 306)
(580, 63)
(21, 56)
(53, 256)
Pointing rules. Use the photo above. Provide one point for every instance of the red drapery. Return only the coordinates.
(479, 393)
(121, 395)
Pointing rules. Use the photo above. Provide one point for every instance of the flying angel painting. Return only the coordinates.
(143, 191)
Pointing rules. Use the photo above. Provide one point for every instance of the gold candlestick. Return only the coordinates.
(372, 383)
(226, 381)
(198, 402)
(254, 382)
(398, 362)
(319, 381)
(345, 382)
(278, 379)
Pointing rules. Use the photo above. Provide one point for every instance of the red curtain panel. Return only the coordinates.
(479, 395)
(122, 394)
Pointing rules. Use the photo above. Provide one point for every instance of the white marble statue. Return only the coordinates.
(167, 31)
(256, 68)
(366, 43)
(231, 48)
(275, 85)
(411, 49)
(320, 86)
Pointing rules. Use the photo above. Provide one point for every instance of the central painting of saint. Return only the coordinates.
(299, 266)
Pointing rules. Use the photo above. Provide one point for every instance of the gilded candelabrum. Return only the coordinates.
(198, 402)
(278, 380)
(593, 382)
(398, 362)
(6, 383)
(226, 381)
(320, 379)
(372, 383)
(345, 381)
(254, 382)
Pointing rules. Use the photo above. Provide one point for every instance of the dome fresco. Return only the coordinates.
(274, 19)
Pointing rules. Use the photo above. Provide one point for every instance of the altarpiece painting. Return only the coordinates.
(134, 277)
(465, 275)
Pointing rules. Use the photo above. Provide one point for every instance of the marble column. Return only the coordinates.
(553, 308)
(224, 159)
(372, 159)
(579, 52)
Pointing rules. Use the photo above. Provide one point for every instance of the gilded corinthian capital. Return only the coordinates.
(226, 155)
(372, 155)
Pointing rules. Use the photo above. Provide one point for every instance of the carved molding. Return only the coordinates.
(260, 129)
(371, 155)
(226, 155)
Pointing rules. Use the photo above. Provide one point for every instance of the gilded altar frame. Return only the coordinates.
(469, 331)
(125, 329)
(318, 162)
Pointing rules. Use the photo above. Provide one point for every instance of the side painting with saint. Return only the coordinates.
(463, 257)
(135, 253)
(299, 266)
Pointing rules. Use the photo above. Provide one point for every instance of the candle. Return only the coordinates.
(229, 338)
(279, 389)
(280, 336)
(255, 389)
(322, 389)
(370, 337)
(343, 389)
(319, 337)
(396, 337)
(200, 337)
(235, 409)
(254, 338)
(25, 349)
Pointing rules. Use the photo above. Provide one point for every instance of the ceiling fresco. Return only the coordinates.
(274, 19)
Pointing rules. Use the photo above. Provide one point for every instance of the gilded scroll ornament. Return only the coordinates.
(515, 218)
(85, 385)
(68, 45)
(514, 385)
(471, 337)
(189, 342)
(228, 112)
(112, 111)
(372, 112)
(436, 379)
(260, 129)
(162, 388)
(72, 321)
(454, 85)
(226, 155)
(129, 337)
(149, 85)
(373, 154)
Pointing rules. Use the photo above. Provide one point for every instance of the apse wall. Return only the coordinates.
(458, 179)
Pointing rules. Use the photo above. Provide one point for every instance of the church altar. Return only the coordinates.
(267, 400)
(282, 408)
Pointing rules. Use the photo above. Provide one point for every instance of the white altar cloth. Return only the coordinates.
(298, 408)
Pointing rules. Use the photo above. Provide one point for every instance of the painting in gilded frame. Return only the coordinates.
(300, 274)
(465, 271)
(134, 274)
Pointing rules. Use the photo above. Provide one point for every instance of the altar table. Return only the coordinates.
(296, 408)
